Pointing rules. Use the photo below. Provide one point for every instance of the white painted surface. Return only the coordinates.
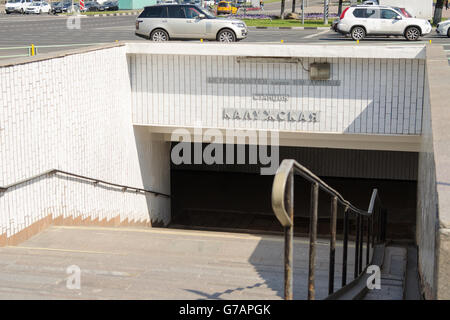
(374, 96)
(278, 50)
(74, 114)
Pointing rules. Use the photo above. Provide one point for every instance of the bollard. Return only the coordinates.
(430, 41)
(282, 41)
(201, 40)
(357, 41)
(33, 50)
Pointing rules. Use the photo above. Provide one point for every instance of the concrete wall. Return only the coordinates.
(363, 95)
(433, 211)
(73, 113)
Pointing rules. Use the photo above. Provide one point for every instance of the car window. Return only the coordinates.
(388, 14)
(192, 12)
(176, 12)
(371, 13)
(359, 13)
(153, 12)
(365, 13)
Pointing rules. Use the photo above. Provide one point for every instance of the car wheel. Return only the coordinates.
(412, 34)
(226, 35)
(448, 32)
(159, 35)
(358, 33)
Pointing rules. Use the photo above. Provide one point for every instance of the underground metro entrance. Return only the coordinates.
(237, 198)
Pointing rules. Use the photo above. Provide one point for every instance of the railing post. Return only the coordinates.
(332, 245)
(373, 229)
(312, 239)
(345, 248)
(358, 223)
(361, 242)
(379, 225)
(289, 238)
(369, 219)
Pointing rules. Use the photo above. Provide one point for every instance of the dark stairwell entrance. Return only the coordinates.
(237, 197)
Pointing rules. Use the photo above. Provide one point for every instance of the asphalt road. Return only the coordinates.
(18, 30)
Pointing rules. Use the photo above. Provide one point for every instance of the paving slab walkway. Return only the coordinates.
(142, 263)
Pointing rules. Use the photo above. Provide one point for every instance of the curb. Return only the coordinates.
(289, 28)
(133, 13)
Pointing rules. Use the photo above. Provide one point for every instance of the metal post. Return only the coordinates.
(325, 11)
(358, 223)
(303, 11)
(379, 225)
(332, 245)
(369, 219)
(289, 239)
(344, 253)
(312, 239)
(282, 9)
(293, 6)
(361, 241)
(373, 229)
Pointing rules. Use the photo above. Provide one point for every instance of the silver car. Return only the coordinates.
(187, 21)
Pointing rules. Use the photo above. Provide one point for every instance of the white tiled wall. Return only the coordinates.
(375, 96)
(73, 113)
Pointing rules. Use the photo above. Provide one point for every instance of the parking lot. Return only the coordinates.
(44, 30)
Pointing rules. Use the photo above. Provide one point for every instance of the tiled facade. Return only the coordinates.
(73, 113)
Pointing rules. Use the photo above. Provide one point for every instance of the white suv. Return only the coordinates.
(359, 21)
(17, 6)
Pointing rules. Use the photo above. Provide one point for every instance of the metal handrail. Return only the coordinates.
(96, 181)
(283, 207)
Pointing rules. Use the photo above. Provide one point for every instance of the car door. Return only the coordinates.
(196, 26)
(389, 22)
(176, 22)
(372, 20)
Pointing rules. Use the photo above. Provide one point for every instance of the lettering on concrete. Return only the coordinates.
(271, 97)
(272, 82)
(270, 115)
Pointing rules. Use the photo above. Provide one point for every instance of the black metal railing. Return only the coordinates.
(95, 181)
(371, 223)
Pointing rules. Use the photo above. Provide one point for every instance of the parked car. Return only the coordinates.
(17, 6)
(363, 20)
(92, 6)
(165, 22)
(109, 6)
(443, 28)
(226, 7)
(38, 7)
(62, 7)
